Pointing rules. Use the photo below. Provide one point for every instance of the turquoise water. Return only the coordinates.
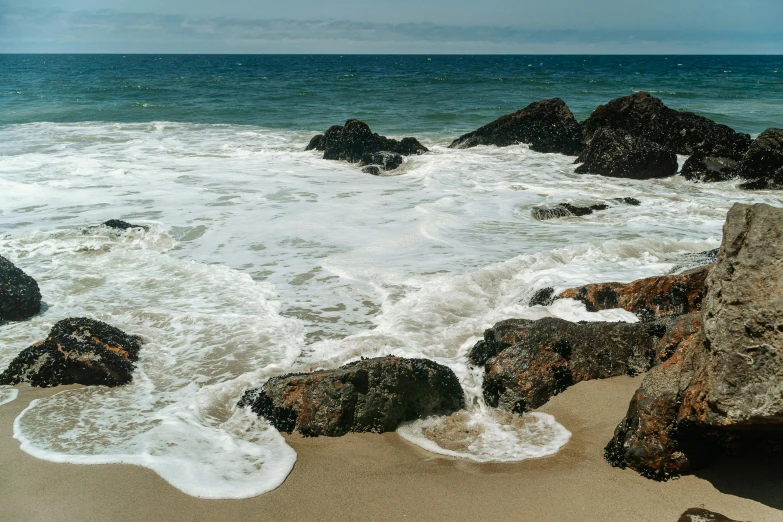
(422, 95)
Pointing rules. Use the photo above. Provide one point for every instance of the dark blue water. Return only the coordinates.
(437, 95)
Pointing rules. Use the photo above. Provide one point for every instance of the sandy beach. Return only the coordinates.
(382, 477)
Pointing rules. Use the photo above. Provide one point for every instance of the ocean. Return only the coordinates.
(262, 259)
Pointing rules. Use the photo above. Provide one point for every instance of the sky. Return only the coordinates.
(393, 26)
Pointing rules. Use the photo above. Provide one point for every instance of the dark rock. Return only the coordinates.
(650, 298)
(702, 515)
(629, 201)
(694, 260)
(548, 126)
(709, 169)
(77, 351)
(375, 170)
(722, 389)
(354, 142)
(619, 154)
(646, 117)
(543, 297)
(20, 297)
(763, 162)
(368, 395)
(565, 210)
(122, 225)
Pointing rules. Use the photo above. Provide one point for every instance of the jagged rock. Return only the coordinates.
(629, 201)
(368, 395)
(20, 297)
(702, 515)
(708, 168)
(649, 298)
(354, 142)
(564, 210)
(543, 297)
(644, 116)
(763, 162)
(122, 225)
(723, 389)
(618, 154)
(527, 362)
(547, 125)
(77, 351)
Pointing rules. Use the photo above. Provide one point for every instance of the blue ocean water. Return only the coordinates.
(422, 95)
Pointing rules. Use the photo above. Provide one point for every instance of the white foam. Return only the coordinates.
(7, 395)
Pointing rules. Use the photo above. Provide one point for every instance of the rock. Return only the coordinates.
(548, 126)
(763, 162)
(372, 169)
(354, 142)
(20, 297)
(77, 351)
(368, 395)
(694, 260)
(650, 298)
(527, 362)
(702, 515)
(122, 225)
(723, 388)
(618, 154)
(565, 210)
(543, 297)
(709, 169)
(646, 117)
(629, 201)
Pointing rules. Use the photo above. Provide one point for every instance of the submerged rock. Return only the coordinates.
(369, 395)
(702, 515)
(547, 125)
(565, 210)
(20, 297)
(122, 225)
(724, 388)
(762, 164)
(354, 142)
(77, 351)
(543, 297)
(619, 154)
(649, 298)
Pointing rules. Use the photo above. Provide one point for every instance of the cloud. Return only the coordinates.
(105, 30)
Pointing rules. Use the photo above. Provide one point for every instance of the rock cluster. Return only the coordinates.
(20, 297)
(354, 142)
(722, 389)
(77, 351)
(373, 395)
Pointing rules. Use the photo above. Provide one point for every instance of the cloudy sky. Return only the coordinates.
(393, 26)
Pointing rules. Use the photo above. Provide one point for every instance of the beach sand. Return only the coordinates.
(383, 477)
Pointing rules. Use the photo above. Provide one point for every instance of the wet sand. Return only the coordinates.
(383, 477)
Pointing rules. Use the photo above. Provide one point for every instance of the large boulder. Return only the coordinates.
(369, 395)
(650, 298)
(527, 362)
(762, 164)
(645, 116)
(354, 142)
(725, 387)
(620, 154)
(20, 297)
(547, 125)
(77, 351)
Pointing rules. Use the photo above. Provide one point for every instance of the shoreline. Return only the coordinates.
(384, 477)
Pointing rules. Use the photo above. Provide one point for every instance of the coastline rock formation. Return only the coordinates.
(371, 395)
(762, 164)
(77, 351)
(724, 388)
(354, 142)
(620, 154)
(547, 126)
(650, 298)
(20, 297)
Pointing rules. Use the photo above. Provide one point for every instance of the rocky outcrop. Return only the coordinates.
(547, 126)
(118, 224)
(565, 210)
(369, 395)
(527, 362)
(617, 153)
(650, 298)
(20, 297)
(702, 515)
(709, 168)
(762, 164)
(354, 142)
(77, 351)
(724, 388)
(646, 117)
